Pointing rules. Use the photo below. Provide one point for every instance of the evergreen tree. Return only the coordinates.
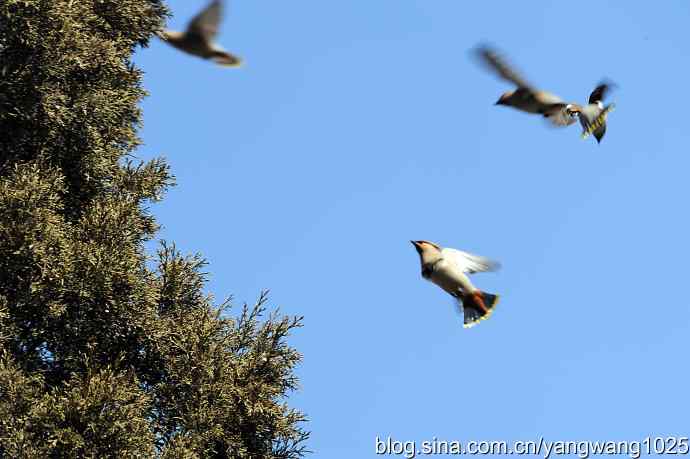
(105, 351)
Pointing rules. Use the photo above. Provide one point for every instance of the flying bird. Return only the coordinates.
(526, 97)
(593, 115)
(448, 268)
(529, 99)
(199, 37)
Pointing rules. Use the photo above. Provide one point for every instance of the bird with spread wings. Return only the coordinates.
(448, 268)
(529, 99)
(199, 38)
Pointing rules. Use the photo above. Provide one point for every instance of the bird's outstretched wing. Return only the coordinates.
(497, 64)
(599, 93)
(205, 24)
(470, 263)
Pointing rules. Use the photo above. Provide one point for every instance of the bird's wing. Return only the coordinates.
(205, 24)
(547, 98)
(599, 93)
(468, 262)
(585, 123)
(494, 61)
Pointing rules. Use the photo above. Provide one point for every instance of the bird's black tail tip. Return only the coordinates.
(478, 306)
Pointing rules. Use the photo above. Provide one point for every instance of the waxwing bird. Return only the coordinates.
(198, 39)
(593, 115)
(448, 268)
(526, 97)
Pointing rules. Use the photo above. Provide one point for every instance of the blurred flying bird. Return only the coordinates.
(525, 97)
(198, 39)
(593, 115)
(448, 268)
(531, 100)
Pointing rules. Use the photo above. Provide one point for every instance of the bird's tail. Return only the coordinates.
(226, 59)
(478, 306)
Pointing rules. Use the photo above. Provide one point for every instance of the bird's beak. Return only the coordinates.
(499, 101)
(416, 245)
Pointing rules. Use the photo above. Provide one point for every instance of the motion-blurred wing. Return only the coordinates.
(205, 24)
(599, 93)
(494, 61)
(470, 263)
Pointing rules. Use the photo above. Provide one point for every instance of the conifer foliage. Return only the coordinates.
(106, 351)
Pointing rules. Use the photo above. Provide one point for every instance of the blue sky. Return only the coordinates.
(356, 126)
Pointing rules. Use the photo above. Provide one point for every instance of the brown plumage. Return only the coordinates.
(198, 39)
(526, 97)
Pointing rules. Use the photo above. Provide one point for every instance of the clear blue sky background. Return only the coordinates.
(356, 126)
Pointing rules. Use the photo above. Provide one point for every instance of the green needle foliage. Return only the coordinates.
(105, 351)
